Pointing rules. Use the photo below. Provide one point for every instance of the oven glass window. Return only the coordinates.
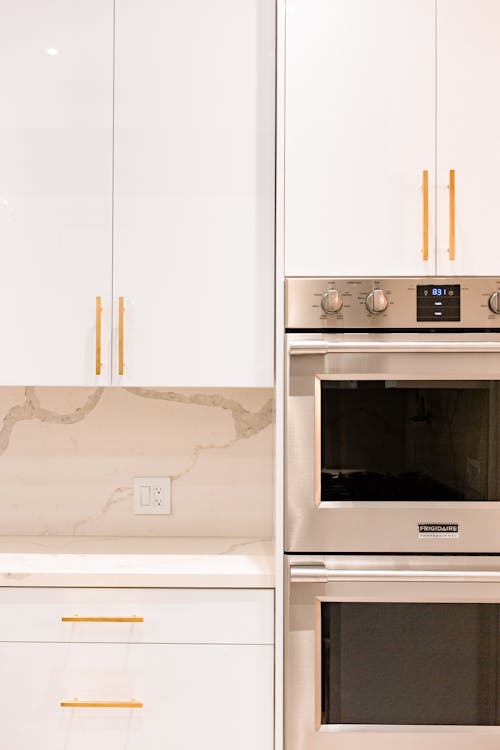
(420, 664)
(404, 441)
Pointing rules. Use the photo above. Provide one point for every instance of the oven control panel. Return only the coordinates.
(366, 303)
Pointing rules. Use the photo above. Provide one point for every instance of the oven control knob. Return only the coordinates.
(494, 303)
(376, 301)
(331, 302)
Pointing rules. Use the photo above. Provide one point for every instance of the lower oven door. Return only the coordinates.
(393, 653)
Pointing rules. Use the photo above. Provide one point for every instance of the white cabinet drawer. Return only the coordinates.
(216, 697)
(232, 616)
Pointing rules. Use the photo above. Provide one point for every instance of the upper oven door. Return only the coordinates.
(392, 443)
(388, 654)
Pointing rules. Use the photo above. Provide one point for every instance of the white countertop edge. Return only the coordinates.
(138, 580)
(130, 563)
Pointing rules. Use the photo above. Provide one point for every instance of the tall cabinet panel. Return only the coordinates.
(360, 133)
(56, 63)
(468, 62)
(194, 192)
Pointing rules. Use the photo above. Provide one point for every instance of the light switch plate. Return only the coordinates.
(152, 496)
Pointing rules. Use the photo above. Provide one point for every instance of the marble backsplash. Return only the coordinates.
(68, 457)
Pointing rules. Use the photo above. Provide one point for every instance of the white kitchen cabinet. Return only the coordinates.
(468, 61)
(376, 92)
(56, 121)
(194, 192)
(359, 134)
(200, 664)
(184, 136)
(219, 697)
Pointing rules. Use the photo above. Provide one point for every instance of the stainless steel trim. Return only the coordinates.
(410, 504)
(320, 346)
(322, 574)
(317, 441)
(408, 729)
(318, 672)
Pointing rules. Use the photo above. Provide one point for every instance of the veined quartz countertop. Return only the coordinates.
(137, 562)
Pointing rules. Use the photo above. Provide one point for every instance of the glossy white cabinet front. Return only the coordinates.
(359, 133)
(376, 92)
(185, 91)
(468, 49)
(218, 697)
(194, 191)
(56, 109)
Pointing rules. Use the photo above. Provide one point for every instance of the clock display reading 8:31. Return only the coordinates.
(438, 302)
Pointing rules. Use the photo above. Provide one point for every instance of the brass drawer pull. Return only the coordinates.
(101, 704)
(77, 618)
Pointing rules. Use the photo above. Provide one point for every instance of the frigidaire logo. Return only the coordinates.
(438, 531)
(438, 528)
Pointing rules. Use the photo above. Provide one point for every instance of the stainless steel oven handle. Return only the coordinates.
(445, 347)
(321, 574)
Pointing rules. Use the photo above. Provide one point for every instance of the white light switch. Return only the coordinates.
(152, 495)
(145, 493)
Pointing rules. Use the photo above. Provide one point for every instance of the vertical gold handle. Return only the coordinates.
(451, 252)
(121, 309)
(98, 325)
(425, 227)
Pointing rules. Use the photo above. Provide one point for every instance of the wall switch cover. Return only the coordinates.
(152, 495)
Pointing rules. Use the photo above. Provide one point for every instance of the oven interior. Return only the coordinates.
(410, 663)
(407, 440)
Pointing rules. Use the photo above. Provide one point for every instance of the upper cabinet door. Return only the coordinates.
(56, 62)
(360, 133)
(468, 63)
(194, 192)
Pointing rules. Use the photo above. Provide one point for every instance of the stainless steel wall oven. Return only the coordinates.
(392, 514)
(392, 428)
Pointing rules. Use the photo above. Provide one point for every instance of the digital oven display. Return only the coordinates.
(438, 303)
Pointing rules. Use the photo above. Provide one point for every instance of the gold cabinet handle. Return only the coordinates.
(425, 214)
(121, 310)
(78, 618)
(101, 704)
(98, 327)
(451, 252)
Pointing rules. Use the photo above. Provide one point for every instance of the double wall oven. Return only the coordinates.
(393, 513)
